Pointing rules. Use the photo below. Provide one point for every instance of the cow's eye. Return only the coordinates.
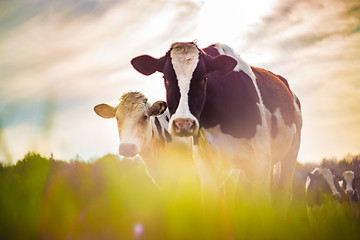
(145, 118)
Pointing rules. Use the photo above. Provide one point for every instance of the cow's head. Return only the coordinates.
(349, 182)
(323, 181)
(133, 119)
(185, 68)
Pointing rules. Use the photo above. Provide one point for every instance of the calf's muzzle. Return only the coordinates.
(128, 150)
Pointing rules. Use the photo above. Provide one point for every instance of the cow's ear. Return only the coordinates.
(223, 63)
(147, 65)
(157, 108)
(313, 176)
(105, 111)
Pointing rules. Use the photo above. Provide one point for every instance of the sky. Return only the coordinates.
(60, 58)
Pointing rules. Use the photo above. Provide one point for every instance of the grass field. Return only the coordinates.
(112, 199)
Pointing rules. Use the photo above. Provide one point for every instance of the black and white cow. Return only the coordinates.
(239, 116)
(320, 186)
(142, 128)
(349, 186)
(321, 190)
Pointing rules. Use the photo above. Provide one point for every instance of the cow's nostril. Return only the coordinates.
(176, 126)
(191, 123)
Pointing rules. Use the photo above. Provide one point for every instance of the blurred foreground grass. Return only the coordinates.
(113, 199)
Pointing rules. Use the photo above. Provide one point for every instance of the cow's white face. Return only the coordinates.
(329, 178)
(133, 120)
(184, 61)
(349, 178)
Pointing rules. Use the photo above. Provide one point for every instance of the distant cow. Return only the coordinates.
(239, 116)
(142, 127)
(349, 186)
(320, 186)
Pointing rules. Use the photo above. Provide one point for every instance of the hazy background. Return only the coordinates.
(59, 58)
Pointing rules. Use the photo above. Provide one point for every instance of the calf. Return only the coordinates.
(142, 128)
(320, 185)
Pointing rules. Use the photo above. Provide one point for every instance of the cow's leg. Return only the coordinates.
(283, 192)
(258, 171)
(206, 172)
(232, 186)
(261, 181)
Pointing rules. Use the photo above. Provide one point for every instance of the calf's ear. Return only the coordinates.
(223, 63)
(157, 108)
(105, 111)
(147, 65)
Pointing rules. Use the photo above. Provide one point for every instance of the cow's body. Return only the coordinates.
(142, 129)
(239, 116)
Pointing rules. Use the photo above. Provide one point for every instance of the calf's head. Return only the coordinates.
(133, 120)
(185, 68)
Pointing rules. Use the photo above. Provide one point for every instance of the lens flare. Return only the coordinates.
(138, 230)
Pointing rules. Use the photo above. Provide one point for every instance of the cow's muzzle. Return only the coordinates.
(349, 192)
(184, 127)
(337, 195)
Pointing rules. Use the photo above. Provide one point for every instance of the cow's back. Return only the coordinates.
(276, 94)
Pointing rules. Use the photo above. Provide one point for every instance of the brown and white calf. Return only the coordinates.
(240, 117)
(142, 128)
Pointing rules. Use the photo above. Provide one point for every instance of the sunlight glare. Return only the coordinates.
(218, 21)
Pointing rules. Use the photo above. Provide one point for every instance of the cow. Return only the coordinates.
(142, 129)
(321, 189)
(321, 185)
(349, 186)
(239, 117)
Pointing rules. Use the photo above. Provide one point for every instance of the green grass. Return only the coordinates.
(106, 199)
